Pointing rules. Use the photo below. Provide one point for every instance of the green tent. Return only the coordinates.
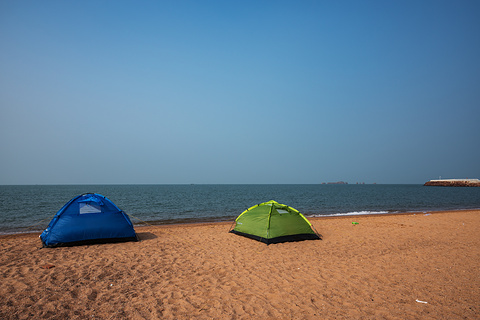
(272, 222)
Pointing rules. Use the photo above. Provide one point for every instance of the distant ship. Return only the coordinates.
(453, 183)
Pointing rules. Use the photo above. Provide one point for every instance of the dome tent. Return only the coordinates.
(272, 222)
(88, 218)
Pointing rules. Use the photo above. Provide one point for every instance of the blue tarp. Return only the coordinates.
(87, 218)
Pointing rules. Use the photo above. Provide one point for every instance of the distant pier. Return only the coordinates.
(454, 183)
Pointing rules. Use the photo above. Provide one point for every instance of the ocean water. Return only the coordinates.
(30, 208)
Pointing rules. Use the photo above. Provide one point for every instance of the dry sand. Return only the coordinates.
(409, 266)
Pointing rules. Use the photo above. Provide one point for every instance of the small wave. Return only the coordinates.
(353, 213)
(7, 233)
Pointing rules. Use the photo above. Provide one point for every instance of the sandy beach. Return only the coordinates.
(405, 266)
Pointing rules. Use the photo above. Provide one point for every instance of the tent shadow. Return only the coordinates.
(142, 236)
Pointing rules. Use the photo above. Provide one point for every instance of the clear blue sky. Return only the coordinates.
(95, 92)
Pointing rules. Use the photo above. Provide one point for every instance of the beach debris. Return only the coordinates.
(47, 266)
(427, 214)
(354, 222)
(420, 301)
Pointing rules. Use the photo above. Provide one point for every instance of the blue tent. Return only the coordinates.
(88, 218)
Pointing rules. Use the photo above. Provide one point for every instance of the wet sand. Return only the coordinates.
(407, 266)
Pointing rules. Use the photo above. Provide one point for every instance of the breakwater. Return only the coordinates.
(454, 183)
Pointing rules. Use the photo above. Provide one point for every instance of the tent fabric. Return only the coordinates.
(272, 222)
(88, 218)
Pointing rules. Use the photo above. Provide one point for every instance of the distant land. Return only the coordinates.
(343, 182)
(453, 183)
(338, 182)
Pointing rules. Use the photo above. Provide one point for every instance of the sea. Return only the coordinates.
(29, 208)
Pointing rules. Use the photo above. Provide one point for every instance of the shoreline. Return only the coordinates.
(216, 221)
(386, 266)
